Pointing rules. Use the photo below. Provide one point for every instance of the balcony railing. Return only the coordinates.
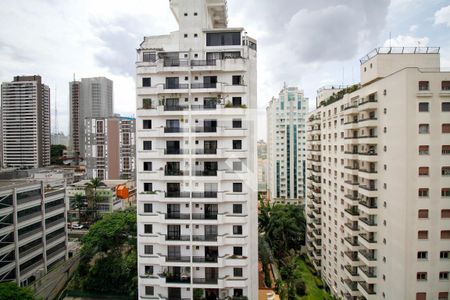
(206, 280)
(369, 255)
(178, 237)
(175, 151)
(368, 221)
(205, 173)
(202, 63)
(203, 85)
(204, 238)
(204, 216)
(205, 129)
(178, 195)
(204, 194)
(178, 279)
(352, 255)
(178, 259)
(176, 86)
(369, 239)
(174, 130)
(204, 259)
(176, 107)
(368, 288)
(177, 216)
(176, 173)
(206, 151)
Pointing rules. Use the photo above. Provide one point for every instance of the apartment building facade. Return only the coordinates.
(196, 158)
(378, 210)
(286, 146)
(89, 98)
(25, 122)
(110, 148)
(33, 232)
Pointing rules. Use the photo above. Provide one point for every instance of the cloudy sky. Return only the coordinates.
(300, 42)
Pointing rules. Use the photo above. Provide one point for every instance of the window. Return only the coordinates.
(237, 208)
(424, 150)
(99, 127)
(146, 82)
(147, 165)
(237, 144)
(422, 255)
(238, 293)
(445, 106)
(237, 187)
(148, 270)
(237, 272)
(421, 276)
(423, 213)
(445, 234)
(148, 228)
(149, 56)
(424, 171)
(443, 296)
(424, 85)
(237, 123)
(445, 213)
(445, 128)
(445, 149)
(100, 151)
(423, 192)
(149, 290)
(237, 80)
(424, 106)
(147, 103)
(148, 249)
(444, 254)
(445, 171)
(223, 39)
(148, 187)
(422, 235)
(443, 275)
(148, 207)
(421, 296)
(147, 145)
(237, 251)
(445, 192)
(237, 166)
(424, 128)
(237, 229)
(147, 124)
(445, 85)
(237, 101)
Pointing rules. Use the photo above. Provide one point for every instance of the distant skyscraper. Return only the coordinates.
(89, 98)
(110, 148)
(286, 144)
(25, 122)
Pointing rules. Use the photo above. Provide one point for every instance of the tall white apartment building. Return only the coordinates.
(89, 98)
(378, 207)
(286, 146)
(25, 121)
(110, 148)
(197, 158)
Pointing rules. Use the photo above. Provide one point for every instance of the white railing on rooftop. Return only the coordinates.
(400, 50)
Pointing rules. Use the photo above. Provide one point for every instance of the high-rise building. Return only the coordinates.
(197, 158)
(262, 166)
(286, 146)
(378, 209)
(89, 98)
(33, 233)
(25, 122)
(110, 148)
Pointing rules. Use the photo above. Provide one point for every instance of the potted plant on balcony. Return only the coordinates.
(198, 294)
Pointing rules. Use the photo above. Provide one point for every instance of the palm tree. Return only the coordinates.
(78, 204)
(91, 194)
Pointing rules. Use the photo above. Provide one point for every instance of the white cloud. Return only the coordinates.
(407, 41)
(442, 16)
(413, 28)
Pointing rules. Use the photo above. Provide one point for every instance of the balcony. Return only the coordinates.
(204, 259)
(175, 107)
(368, 221)
(211, 195)
(205, 238)
(353, 256)
(205, 281)
(183, 238)
(368, 271)
(352, 241)
(207, 173)
(168, 172)
(368, 254)
(175, 151)
(177, 216)
(205, 151)
(205, 129)
(204, 216)
(175, 130)
(368, 288)
(182, 259)
(178, 279)
(177, 194)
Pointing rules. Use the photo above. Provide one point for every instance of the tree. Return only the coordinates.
(264, 216)
(10, 291)
(108, 261)
(79, 204)
(91, 195)
(56, 154)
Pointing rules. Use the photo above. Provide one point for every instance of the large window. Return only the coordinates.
(149, 56)
(223, 38)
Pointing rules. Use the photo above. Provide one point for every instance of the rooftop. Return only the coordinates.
(399, 50)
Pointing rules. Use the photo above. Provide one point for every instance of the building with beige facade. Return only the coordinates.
(378, 202)
(110, 148)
